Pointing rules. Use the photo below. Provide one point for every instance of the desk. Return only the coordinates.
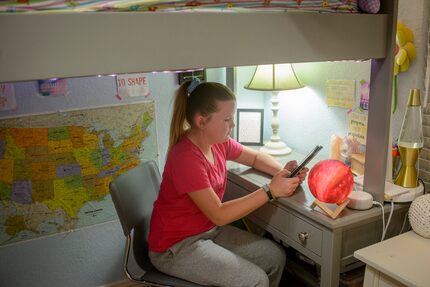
(399, 261)
(329, 243)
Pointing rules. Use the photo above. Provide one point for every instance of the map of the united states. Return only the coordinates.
(55, 169)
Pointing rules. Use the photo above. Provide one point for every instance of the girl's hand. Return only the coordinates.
(291, 165)
(302, 174)
(282, 186)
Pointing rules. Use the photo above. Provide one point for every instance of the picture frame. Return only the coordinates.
(250, 123)
(185, 76)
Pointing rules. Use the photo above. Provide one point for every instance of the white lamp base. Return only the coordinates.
(276, 148)
(408, 194)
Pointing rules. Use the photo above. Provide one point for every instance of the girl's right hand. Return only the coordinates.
(282, 186)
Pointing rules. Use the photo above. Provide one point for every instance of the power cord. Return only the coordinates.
(388, 221)
(383, 217)
(385, 227)
(404, 222)
(424, 186)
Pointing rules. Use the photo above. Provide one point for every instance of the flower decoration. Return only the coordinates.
(405, 53)
(405, 49)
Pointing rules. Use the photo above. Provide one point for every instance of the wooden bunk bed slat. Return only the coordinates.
(44, 45)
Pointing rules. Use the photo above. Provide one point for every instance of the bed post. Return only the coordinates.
(381, 87)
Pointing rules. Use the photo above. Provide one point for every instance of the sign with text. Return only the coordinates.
(7, 97)
(133, 85)
(364, 95)
(340, 93)
(357, 126)
(53, 87)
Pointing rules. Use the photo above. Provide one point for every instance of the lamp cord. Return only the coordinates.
(383, 217)
(389, 219)
(404, 222)
(385, 227)
(424, 186)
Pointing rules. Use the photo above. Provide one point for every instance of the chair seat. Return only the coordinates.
(154, 275)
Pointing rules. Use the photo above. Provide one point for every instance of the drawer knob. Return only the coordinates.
(303, 236)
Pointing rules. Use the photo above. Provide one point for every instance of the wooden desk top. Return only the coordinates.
(405, 257)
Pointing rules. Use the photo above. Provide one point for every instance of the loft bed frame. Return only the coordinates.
(50, 45)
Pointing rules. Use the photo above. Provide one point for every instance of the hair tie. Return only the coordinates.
(193, 85)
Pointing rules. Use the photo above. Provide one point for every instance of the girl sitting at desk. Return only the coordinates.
(189, 233)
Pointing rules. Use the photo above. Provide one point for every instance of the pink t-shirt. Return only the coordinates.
(175, 216)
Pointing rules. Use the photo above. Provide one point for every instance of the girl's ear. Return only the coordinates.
(200, 120)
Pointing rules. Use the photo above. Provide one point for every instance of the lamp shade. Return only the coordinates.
(411, 142)
(411, 135)
(274, 77)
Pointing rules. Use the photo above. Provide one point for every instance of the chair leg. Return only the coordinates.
(127, 273)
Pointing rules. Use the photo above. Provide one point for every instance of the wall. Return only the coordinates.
(305, 119)
(95, 252)
(95, 92)
(89, 256)
(93, 256)
(416, 18)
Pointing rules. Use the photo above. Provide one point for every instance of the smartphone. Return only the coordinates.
(307, 159)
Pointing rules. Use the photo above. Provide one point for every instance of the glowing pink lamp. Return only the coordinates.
(330, 181)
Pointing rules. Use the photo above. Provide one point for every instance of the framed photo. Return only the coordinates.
(250, 126)
(184, 76)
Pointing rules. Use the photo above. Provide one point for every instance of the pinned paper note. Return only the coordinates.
(53, 87)
(340, 93)
(7, 97)
(132, 85)
(357, 126)
(364, 95)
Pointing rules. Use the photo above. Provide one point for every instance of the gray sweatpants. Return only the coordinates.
(224, 256)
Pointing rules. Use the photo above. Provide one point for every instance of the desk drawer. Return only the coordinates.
(273, 216)
(304, 233)
(268, 214)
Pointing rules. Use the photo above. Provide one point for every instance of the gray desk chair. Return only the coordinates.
(133, 194)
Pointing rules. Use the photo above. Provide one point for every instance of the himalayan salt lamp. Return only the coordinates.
(330, 181)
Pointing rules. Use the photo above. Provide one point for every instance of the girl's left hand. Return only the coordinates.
(291, 165)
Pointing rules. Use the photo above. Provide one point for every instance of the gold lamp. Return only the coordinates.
(274, 78)
(410, 141)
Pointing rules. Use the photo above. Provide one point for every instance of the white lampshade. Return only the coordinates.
(274, 77)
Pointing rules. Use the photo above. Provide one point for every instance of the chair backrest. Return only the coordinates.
(133, 194)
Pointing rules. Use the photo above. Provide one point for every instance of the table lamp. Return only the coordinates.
(330, 181)
(274, 78)
(410, 141)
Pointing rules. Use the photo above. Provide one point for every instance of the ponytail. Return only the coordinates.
(202, 98)
(178, 125)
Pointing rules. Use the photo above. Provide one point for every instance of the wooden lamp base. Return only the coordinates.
(332, 213)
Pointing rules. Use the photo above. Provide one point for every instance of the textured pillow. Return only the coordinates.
(369, 6)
